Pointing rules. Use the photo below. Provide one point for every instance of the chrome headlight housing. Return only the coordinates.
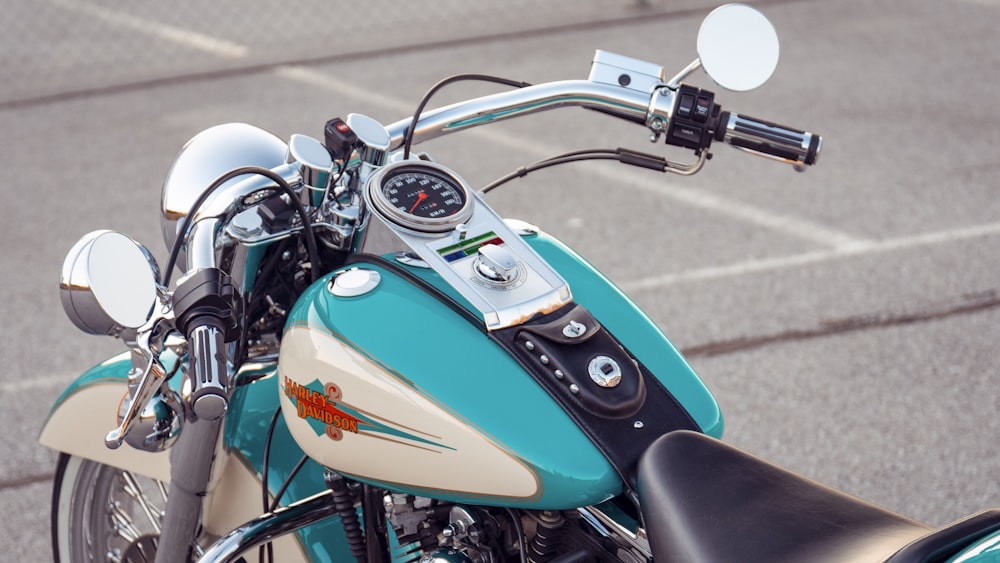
(208, 155)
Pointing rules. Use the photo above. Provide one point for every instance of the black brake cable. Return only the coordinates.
(264, 470)
(308, 235)
(272, 504)
(288, 481)
(519, 530)
(408, 134)
(575, 156)
(623, 155)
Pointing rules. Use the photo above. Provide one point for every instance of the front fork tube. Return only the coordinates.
(191, 461)
(193, 455)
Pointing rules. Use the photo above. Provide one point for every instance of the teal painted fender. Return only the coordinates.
(986, 550)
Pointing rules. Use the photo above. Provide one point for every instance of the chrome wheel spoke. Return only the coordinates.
(134, 490)
(112, 516)
(162, 487)
(122, 522)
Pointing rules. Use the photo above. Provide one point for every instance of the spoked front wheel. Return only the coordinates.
(102, 513)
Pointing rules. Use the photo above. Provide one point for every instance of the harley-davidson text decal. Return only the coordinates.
(322, 407)
(327, 413)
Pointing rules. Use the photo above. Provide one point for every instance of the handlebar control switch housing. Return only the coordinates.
(695, 118)
(206, 297)
(339, 139)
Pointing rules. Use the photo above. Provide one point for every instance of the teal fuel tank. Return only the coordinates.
(388, 385)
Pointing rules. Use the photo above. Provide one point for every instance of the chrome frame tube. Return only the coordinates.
(608, 526)
(270, 526)
(531, 99)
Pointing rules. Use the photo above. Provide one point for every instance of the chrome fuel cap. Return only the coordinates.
(354, 282)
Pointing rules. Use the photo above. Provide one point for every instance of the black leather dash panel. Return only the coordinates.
(613, 398)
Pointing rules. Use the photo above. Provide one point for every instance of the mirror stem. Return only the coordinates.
(675, 82)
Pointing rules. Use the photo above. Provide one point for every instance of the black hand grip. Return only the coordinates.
(768, 139)
(204, 305)
(209, 375)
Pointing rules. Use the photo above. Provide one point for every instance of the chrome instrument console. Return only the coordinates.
(423, 208)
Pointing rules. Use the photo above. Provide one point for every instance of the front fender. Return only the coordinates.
(87, 410)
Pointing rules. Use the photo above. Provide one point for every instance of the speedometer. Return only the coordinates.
(421, 196)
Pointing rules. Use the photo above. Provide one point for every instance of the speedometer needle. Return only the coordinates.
(420, 197)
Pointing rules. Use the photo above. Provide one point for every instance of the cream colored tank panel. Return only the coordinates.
(355, 416)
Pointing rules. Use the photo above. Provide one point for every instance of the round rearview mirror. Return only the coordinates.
(738, 47)
(108, 283)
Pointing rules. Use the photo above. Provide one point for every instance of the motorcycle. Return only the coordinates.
(363, 360)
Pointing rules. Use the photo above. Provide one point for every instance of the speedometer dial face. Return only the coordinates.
(421, 196)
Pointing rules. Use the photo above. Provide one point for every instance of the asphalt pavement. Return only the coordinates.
(846, 318)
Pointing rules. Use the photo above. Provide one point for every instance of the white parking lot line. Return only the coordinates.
(194, 40)
(782, 262)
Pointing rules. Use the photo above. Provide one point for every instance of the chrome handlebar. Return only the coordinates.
(649, 107)
(661, 109)
(627, 88)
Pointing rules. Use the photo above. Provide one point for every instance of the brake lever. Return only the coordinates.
(153, 373)
(146, 376)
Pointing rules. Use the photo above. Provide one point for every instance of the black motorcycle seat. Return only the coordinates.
(703, 500)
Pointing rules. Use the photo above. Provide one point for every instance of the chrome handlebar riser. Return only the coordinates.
(373, 139)
(315, 167)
